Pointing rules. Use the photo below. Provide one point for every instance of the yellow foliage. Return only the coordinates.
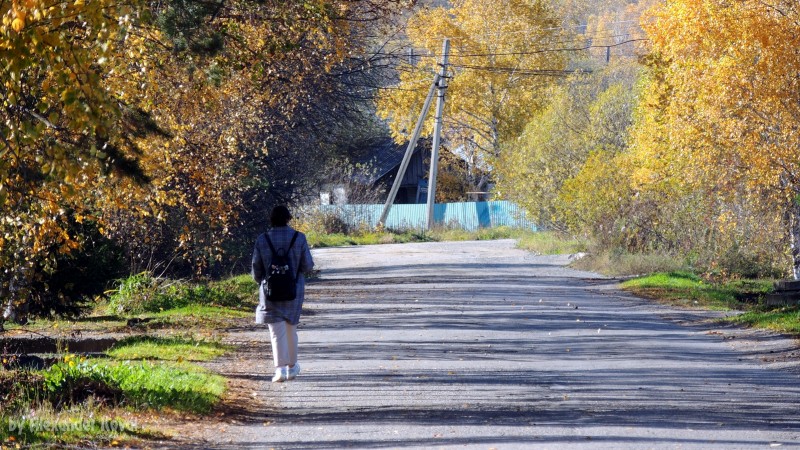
(495, 83)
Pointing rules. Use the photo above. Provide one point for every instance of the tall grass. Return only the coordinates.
(623, 263)
(552, 243)
(144, 292)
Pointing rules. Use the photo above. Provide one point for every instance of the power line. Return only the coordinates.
(522, 53)
(576, 41)
(549, 50)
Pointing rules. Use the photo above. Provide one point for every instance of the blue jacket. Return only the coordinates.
(299, 258)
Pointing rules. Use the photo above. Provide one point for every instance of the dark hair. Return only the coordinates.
(280, 216)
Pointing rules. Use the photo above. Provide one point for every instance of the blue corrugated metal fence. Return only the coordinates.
(466, 215)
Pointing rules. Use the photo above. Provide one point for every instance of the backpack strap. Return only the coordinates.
(294, 238)
(269, 242)
(272, 249)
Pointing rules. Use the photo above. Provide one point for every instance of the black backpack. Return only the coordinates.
(281, 280)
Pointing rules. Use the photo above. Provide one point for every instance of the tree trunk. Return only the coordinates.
(794, 237)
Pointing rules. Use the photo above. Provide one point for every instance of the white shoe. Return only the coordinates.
(281, 375)
(293, 372)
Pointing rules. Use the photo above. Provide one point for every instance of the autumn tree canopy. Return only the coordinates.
(157, 123)
(497, 82)
(722, 103)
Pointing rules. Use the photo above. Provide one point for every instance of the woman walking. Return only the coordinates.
(282, 316)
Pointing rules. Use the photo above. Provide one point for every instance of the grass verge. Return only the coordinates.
(784, 320)
(551, 243)
(76, 425)
(166, 349)
(621, 263)
(545, 243)
(687, 289)
(196, 317)
(316, 239)
(79, 401)
(177, 386)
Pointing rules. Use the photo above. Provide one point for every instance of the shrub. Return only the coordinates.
(145, 293)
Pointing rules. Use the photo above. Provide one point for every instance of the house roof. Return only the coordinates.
(384, 157)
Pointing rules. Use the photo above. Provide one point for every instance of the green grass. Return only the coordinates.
(166, 349)
(546, 243)
(784, 320)
(144, 292)
(482, 234)
(687, 289)
(196, 317)
(178, 386)
(76, 425)
(78, 400)
(240, 289)
(318, 240)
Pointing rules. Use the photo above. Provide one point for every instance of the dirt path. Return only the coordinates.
(480, 345)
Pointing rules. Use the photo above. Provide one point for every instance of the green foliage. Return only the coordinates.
(193, 317)
(144, 292)
(242, 287)
(588, 113)
(784, 320)
(687, 289)
(166, 349)
(184, 387)
(186, 25)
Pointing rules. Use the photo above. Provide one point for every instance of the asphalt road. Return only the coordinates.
(481, 345)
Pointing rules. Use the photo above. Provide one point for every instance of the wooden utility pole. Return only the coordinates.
(409, 151)
(437, 135)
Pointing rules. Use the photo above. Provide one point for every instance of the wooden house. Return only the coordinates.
(378, 170)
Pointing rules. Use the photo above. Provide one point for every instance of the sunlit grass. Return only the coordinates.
(540, 242)
(687, 289)
(167, 349)
(784, 320)
(75, 425)
(140, 384)
(196, 317)
(318, 240)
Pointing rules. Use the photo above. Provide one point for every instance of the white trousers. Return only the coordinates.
(284, 343)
